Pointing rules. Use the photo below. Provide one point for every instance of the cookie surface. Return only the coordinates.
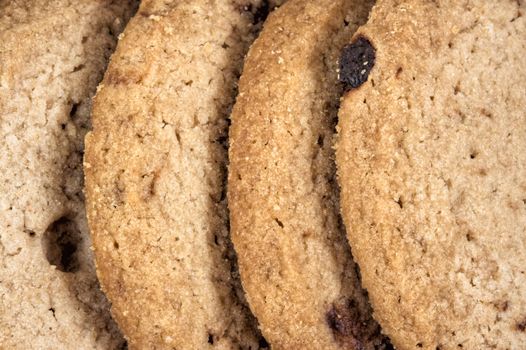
(155, 176)
(432, 164)
(52, 56)
(295, 263)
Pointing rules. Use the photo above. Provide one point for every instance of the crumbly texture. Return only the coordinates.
(295, 263)
(52, 56)
(155, 176)
(432, 164)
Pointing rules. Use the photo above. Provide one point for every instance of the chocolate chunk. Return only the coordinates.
(356, 62)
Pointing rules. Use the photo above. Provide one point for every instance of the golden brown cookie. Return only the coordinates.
(156, 173)
(295, 263)
(432, 165)
(52, 56)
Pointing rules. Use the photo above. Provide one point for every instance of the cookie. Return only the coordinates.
(156, 172)
(295, 263)
(432, 165)
(52, 56)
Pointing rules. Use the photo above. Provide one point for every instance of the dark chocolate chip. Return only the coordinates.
(73, 110)
(356, 62)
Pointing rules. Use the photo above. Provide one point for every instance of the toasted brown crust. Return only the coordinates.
(432, 160)
(294, 260)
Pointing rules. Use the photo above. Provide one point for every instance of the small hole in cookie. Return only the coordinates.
(419, 345)
(53, 312)
(30, 233)
(320, 140)
(398, 72)
(73, 110)
(210, 338)
(469, 236)
(60, 243)
(456, 90)
(487, 113)
(116, 245)
(501, 306)
(78, 68)
(473, 154)
(400, 202)
(346, 22)
(280, 224)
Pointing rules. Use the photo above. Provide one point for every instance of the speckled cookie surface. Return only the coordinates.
(156, 172)
(52, 55)
(295, 263)
(432, 164)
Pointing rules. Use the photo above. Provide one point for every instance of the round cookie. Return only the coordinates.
(432, 165)
(295, 263)
(156, 173)
(52, 55)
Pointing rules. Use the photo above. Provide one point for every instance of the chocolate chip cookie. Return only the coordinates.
(295, 263)
(156, 165)
(432, 165)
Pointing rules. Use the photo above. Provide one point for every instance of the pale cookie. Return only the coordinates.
(156, 173)
(295, 263)
(52, 55)
(432, 164)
